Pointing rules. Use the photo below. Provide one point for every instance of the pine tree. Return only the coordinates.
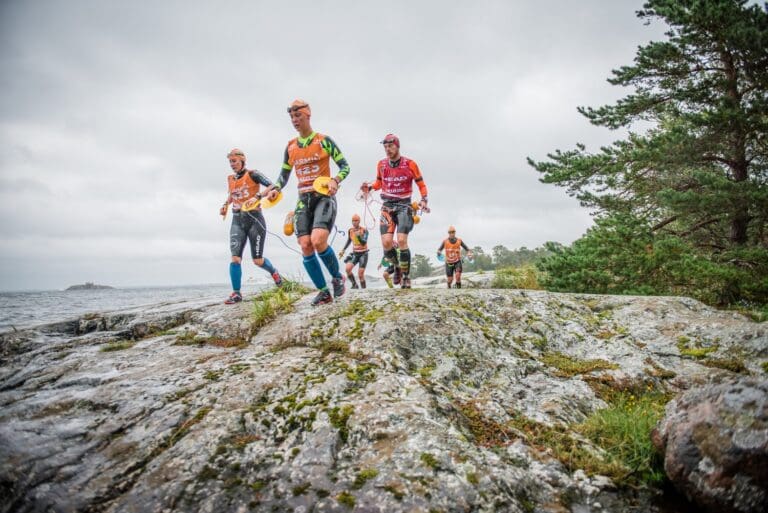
(700, 174)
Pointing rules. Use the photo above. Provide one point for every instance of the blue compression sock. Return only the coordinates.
(312, 265)
(235, 275)
(331, 262)
(267, 266)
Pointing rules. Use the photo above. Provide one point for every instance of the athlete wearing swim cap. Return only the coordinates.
(452, 246)
(247, 227)
(358, 237)
(309, 154)
(395, 176)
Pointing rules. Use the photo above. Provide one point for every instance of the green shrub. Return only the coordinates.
(526, 277)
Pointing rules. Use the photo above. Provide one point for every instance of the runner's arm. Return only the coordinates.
(419, 180)
(349, 241)
(285, 172)
(333, 150)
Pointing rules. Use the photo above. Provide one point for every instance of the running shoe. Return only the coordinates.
(406, 282)
(322, 297)
(233, 298)
(338, 286)
(398, 275)
(277, 278)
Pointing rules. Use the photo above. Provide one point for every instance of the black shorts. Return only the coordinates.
(451, 268)
(314, 210)
(247, 227)
(396, 214)
(360, 259)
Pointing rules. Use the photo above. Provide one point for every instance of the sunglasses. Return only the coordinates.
(296, 108)
(451, 232)
(388, 141)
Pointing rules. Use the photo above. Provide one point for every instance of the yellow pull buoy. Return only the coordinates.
(250, 204)
(265, 203)
(416, 219)
(321, 184)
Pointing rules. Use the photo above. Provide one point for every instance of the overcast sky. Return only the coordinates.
(116, 118)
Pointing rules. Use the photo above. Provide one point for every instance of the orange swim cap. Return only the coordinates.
(299, 104)
(236, 152)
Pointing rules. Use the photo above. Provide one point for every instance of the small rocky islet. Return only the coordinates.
(386, 400)
(89, 286)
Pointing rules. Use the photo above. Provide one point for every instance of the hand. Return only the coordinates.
(272, 195)
(333, 187)
(341, 254)
(223, 210)
(423, 205)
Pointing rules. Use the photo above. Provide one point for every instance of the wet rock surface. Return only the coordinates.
(715, 444)
(386, 400)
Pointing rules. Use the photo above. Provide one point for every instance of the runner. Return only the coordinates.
(395, 176)
(315, 212)
(358, 237)
(452, 246)
(247, 227)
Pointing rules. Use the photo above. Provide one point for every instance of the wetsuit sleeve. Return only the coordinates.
(442, 246)
(418, 178)
(258, 177)
(364, 236)
(376, 185)
(285, 172)
(349, 240)
(333, 150)
(464, 246)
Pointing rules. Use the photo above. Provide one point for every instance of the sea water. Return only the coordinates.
(28, 309)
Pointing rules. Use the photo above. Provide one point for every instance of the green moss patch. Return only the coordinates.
(117, 346)
(569, 366)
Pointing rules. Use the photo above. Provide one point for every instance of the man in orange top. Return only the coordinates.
(395, 176)
(248, 227)
(309, 154)
(452, 246)
(358, 237)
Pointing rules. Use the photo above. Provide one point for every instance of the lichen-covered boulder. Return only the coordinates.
(715, 444)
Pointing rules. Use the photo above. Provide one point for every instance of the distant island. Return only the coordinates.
(88, 285)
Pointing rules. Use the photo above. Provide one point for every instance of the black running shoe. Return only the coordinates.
(322, 297)
(233, 298)
(398, 275)
(338, 286)
(406, 282)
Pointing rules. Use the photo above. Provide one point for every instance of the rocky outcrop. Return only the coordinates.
(387, 400)
(715, 444)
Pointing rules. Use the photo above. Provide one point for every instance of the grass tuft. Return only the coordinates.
(117, 346)
(569, 366)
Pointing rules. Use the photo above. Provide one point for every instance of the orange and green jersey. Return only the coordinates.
(452, 249)
(310, 157)
(358, 238)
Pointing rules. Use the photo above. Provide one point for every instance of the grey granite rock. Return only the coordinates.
(715, 444)
(370, 404)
